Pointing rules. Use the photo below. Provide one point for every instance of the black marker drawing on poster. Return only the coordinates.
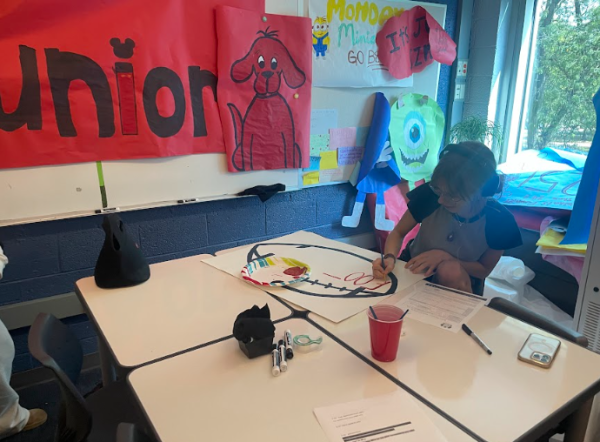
(342, 285)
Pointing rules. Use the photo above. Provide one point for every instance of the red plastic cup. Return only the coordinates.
(385, 331)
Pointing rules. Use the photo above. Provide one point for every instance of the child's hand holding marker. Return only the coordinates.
(383, 266)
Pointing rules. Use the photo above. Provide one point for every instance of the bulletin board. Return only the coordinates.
(53, 192)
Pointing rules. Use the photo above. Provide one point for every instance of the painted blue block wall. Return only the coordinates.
(47, 258)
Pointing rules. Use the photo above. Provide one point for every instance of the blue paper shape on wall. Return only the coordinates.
(581, 218)
(378, 170)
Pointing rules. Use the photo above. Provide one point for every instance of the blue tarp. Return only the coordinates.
(575, 160)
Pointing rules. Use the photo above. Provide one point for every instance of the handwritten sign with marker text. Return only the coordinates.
(549, 189)
(343, 38)
(409, 43)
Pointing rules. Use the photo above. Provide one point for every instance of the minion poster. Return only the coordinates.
(344, 42)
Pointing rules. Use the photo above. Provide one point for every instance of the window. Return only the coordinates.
(557, 75)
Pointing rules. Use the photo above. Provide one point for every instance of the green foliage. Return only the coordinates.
(567, 74)
(476, 128)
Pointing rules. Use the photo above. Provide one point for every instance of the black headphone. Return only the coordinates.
(492, 186)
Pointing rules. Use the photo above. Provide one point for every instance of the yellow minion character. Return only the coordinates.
(320, 36)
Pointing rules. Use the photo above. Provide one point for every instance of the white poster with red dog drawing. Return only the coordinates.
(264, 89)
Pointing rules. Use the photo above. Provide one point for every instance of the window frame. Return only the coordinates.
(508, 105)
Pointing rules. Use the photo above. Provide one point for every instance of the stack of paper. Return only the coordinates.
(549, 244)
(374, 419)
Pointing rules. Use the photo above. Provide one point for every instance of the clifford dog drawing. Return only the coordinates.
(264, 90)
(268, 64)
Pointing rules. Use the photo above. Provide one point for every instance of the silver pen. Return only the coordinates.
(477, 339)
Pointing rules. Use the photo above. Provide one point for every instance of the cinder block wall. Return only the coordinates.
(47, 258)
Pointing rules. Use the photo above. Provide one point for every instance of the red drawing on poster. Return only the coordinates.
(409, 43)
(264, 89)
(107, 80)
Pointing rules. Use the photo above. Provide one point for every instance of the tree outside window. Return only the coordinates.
(566, 75)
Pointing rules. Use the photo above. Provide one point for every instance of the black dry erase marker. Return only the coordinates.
(289, 351)
(275, 370)
(476, 338)
(282, 361)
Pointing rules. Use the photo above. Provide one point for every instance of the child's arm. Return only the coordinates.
(393, 244)
(428, 262)
(481, 269)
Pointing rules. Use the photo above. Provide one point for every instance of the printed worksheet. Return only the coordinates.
(440, 306)
(378, 418)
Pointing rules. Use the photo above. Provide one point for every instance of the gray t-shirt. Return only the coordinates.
(494, 228)
(440, 230)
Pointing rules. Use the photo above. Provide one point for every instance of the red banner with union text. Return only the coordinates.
(108, 79)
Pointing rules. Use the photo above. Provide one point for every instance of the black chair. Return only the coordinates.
(131, 433)
(95, 418)
(570, 425)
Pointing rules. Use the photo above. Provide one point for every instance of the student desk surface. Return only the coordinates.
(497, 397)
(217, 394)
(184, 304)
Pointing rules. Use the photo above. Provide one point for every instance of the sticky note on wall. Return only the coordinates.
(328, 160)
(342, 137)
(340, 174)
(321, 120)
(314, 164)
(349, 155)
(318, 143)
(310, 178)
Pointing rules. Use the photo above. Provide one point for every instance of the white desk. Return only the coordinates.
(184, 304)
(498, 397)
(216, 394)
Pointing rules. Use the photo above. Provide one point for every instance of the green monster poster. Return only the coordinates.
(416, 130)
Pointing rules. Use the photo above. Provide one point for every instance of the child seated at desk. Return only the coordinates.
(464, 231)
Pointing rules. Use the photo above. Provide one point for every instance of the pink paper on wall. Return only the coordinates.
(409, 43)
(342, 137)
(264, 89)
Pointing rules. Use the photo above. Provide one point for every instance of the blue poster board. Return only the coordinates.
(583, 210)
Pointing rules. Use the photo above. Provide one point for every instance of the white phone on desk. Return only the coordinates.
(539, 350)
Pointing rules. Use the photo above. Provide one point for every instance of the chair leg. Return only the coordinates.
(106, 363)
(577, 423)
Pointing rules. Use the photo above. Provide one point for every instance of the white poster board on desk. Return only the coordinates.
(341, 283)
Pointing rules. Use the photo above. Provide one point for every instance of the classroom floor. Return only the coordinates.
(46, 395)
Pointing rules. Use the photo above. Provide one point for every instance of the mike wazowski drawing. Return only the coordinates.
(416, 129)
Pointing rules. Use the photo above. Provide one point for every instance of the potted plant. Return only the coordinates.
(476, 128)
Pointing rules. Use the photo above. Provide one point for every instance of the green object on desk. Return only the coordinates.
(305, 340)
